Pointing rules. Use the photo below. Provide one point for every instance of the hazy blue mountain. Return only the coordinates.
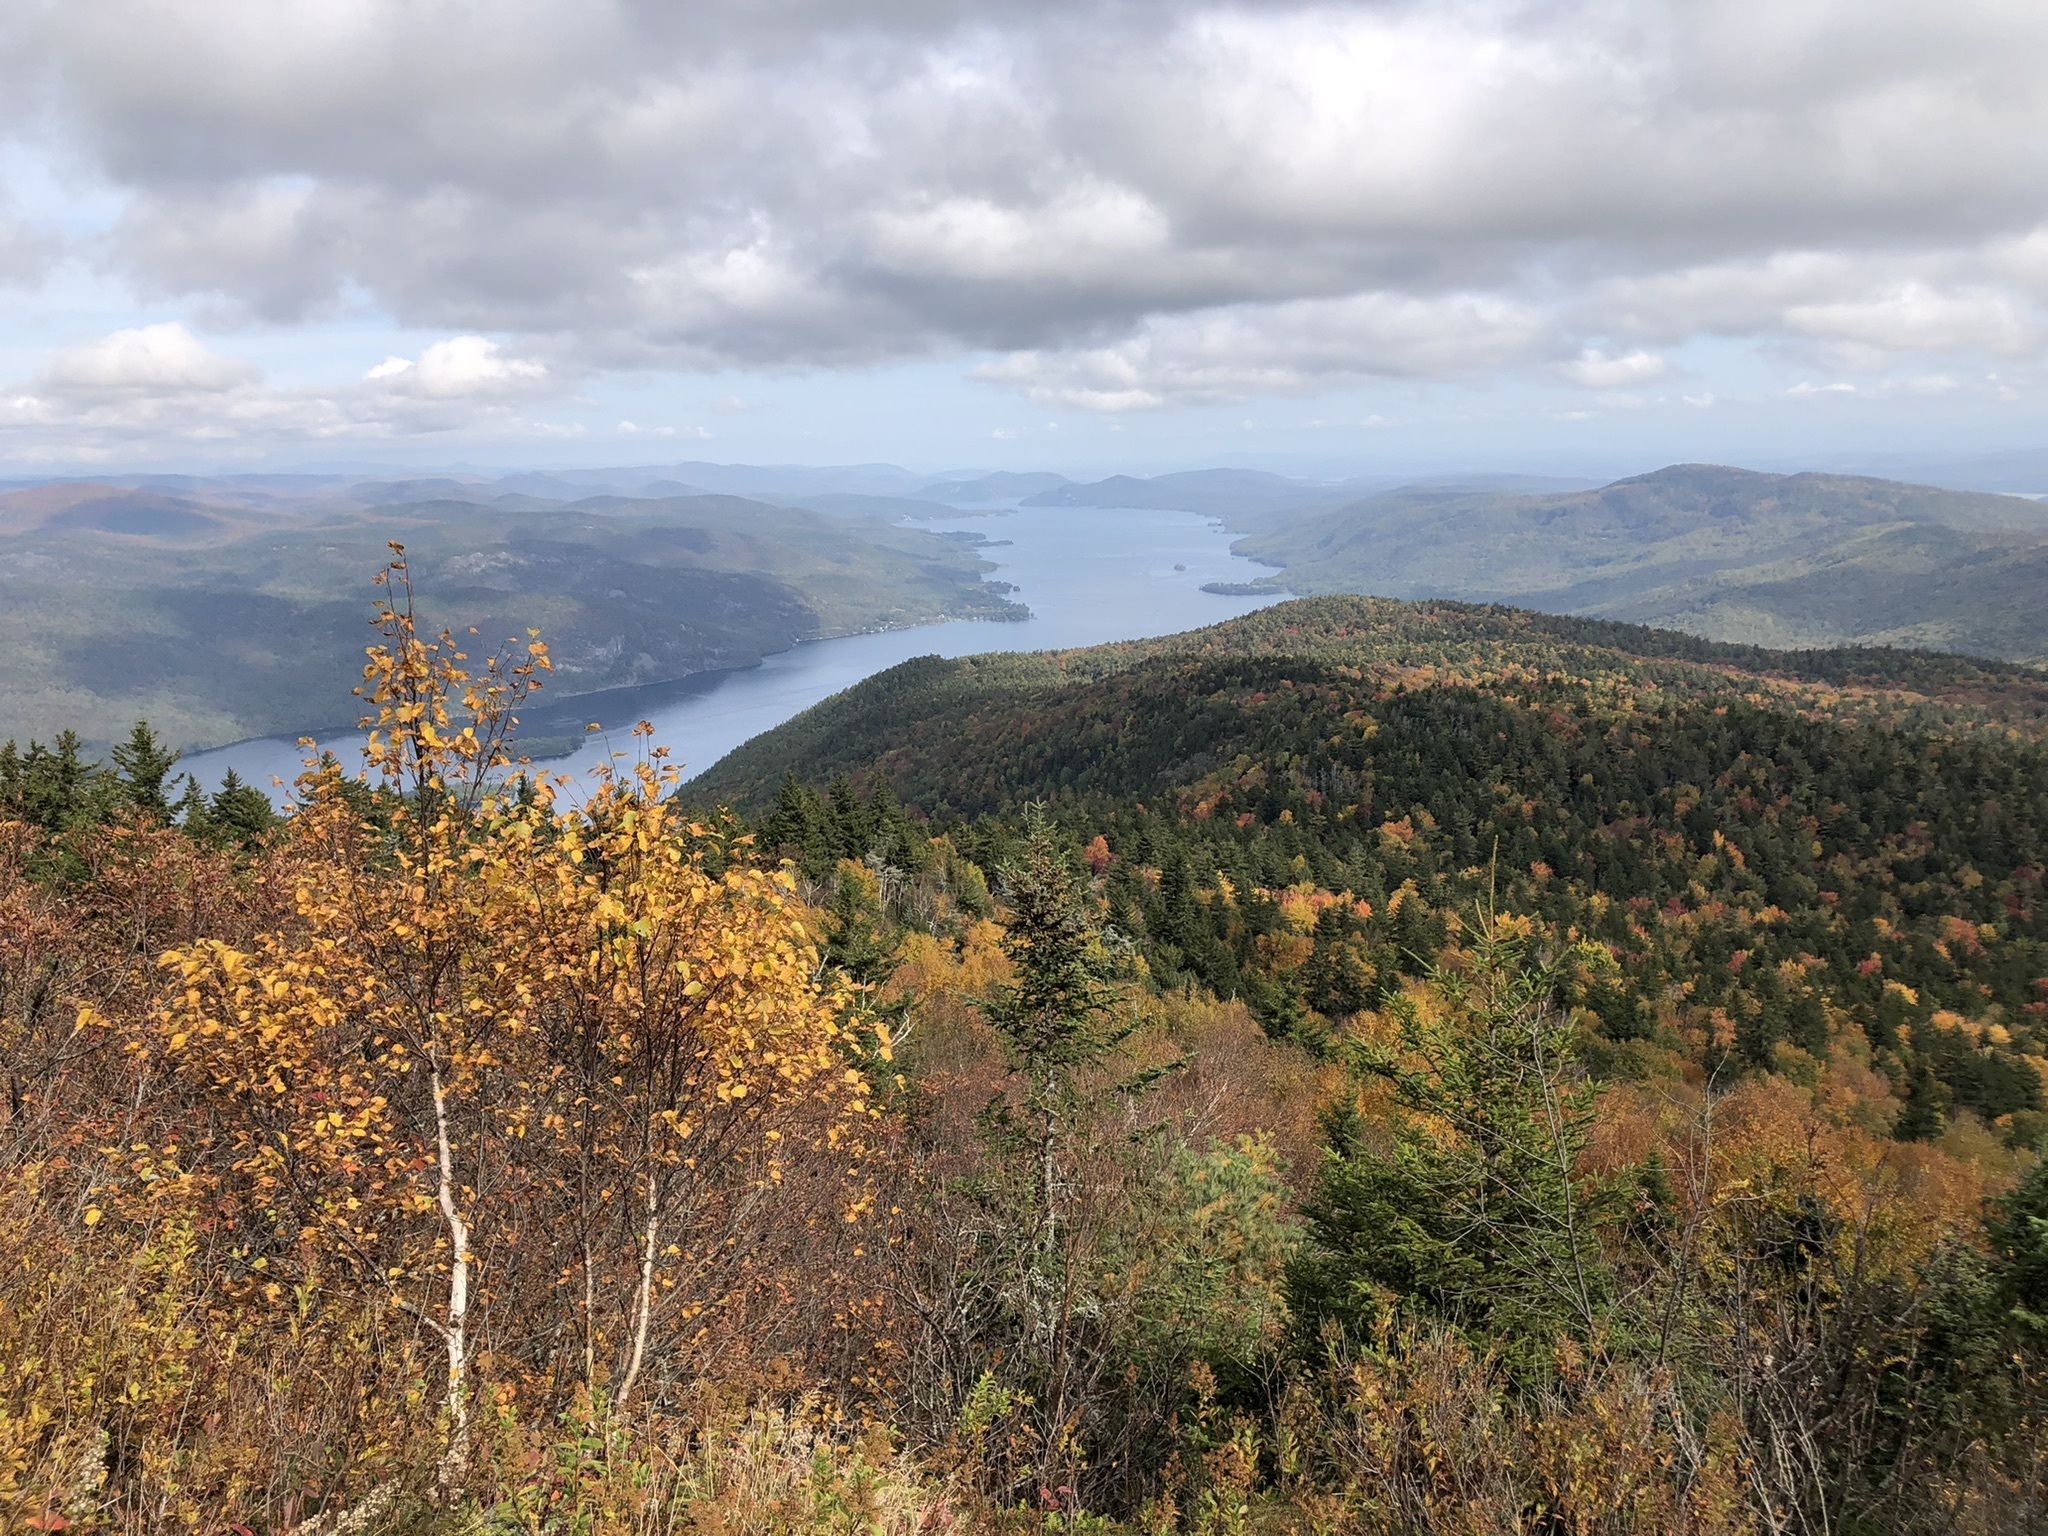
(1004, 485)
(890, 509)
(1733, 554)
(1221, 492)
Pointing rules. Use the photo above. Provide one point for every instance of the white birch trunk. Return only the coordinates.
(643, 1299)
(455, 1461)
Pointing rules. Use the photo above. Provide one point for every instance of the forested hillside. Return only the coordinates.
(1365, 1067)
(1783, 560)
(224, 611)
(1771, 845)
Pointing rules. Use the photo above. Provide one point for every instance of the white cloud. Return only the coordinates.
(153, 360)
(1917, 317)
(158, 383)
(1914, 386)
(1595, 369)
(463, 368)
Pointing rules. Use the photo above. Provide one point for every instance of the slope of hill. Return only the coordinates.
(1779, 848)
(1257, 498)
(90, 507)
(1727, 553)
(979, 731)
(219, 623)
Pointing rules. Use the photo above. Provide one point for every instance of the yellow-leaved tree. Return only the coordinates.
(519, 1071)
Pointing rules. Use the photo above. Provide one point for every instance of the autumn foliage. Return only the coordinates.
(461, 1105)
(478, 1150)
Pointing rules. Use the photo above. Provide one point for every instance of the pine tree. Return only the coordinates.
(57, 784)
(850, 828)
(2019, 1237)
(862, 941)
(793, 828)
(240, 813)
(13, 784)
(192, 813)
(145, 763)
(1925, 1115)
(1054, 1019)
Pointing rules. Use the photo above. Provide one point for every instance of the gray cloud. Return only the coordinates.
(1135, 204)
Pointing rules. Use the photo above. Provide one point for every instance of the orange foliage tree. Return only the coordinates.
(517, 1069)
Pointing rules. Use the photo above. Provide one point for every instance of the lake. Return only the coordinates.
(1089, 574)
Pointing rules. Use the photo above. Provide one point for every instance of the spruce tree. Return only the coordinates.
(240, 813)
(145, 763)
(1467, 1208)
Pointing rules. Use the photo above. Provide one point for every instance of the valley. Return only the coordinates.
(224, 610)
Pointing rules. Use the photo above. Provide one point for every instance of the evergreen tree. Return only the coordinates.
(862, 941)
(58, 784)
(849, 828)
(1051, 1016)
(1926, 1112)
(13, 787)
(2019, 1237)
(1176, 920)
(240, 813)
(1488, 1227)
(145, 763)
(794, 827)
(1054, 1018)
(192, 813)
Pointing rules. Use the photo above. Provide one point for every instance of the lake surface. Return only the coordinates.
(1089, 574)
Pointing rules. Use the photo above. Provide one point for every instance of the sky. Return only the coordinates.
(1565, 235)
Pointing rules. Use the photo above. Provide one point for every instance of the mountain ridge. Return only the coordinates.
(988, 710)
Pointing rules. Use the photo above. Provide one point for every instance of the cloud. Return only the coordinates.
(463, 368)
(1918, 386)
(634, 429)
(153, 360)
(157, 384)
(24, 252)
(1595, 369)
(1294, 348)
(1916, 317)
(1128, 203)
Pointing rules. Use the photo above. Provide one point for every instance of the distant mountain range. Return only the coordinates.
(238, 607)
(218, 605)
(1731, 554)
(1241, 495)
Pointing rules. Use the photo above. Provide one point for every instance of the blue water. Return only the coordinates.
(1090, 575)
